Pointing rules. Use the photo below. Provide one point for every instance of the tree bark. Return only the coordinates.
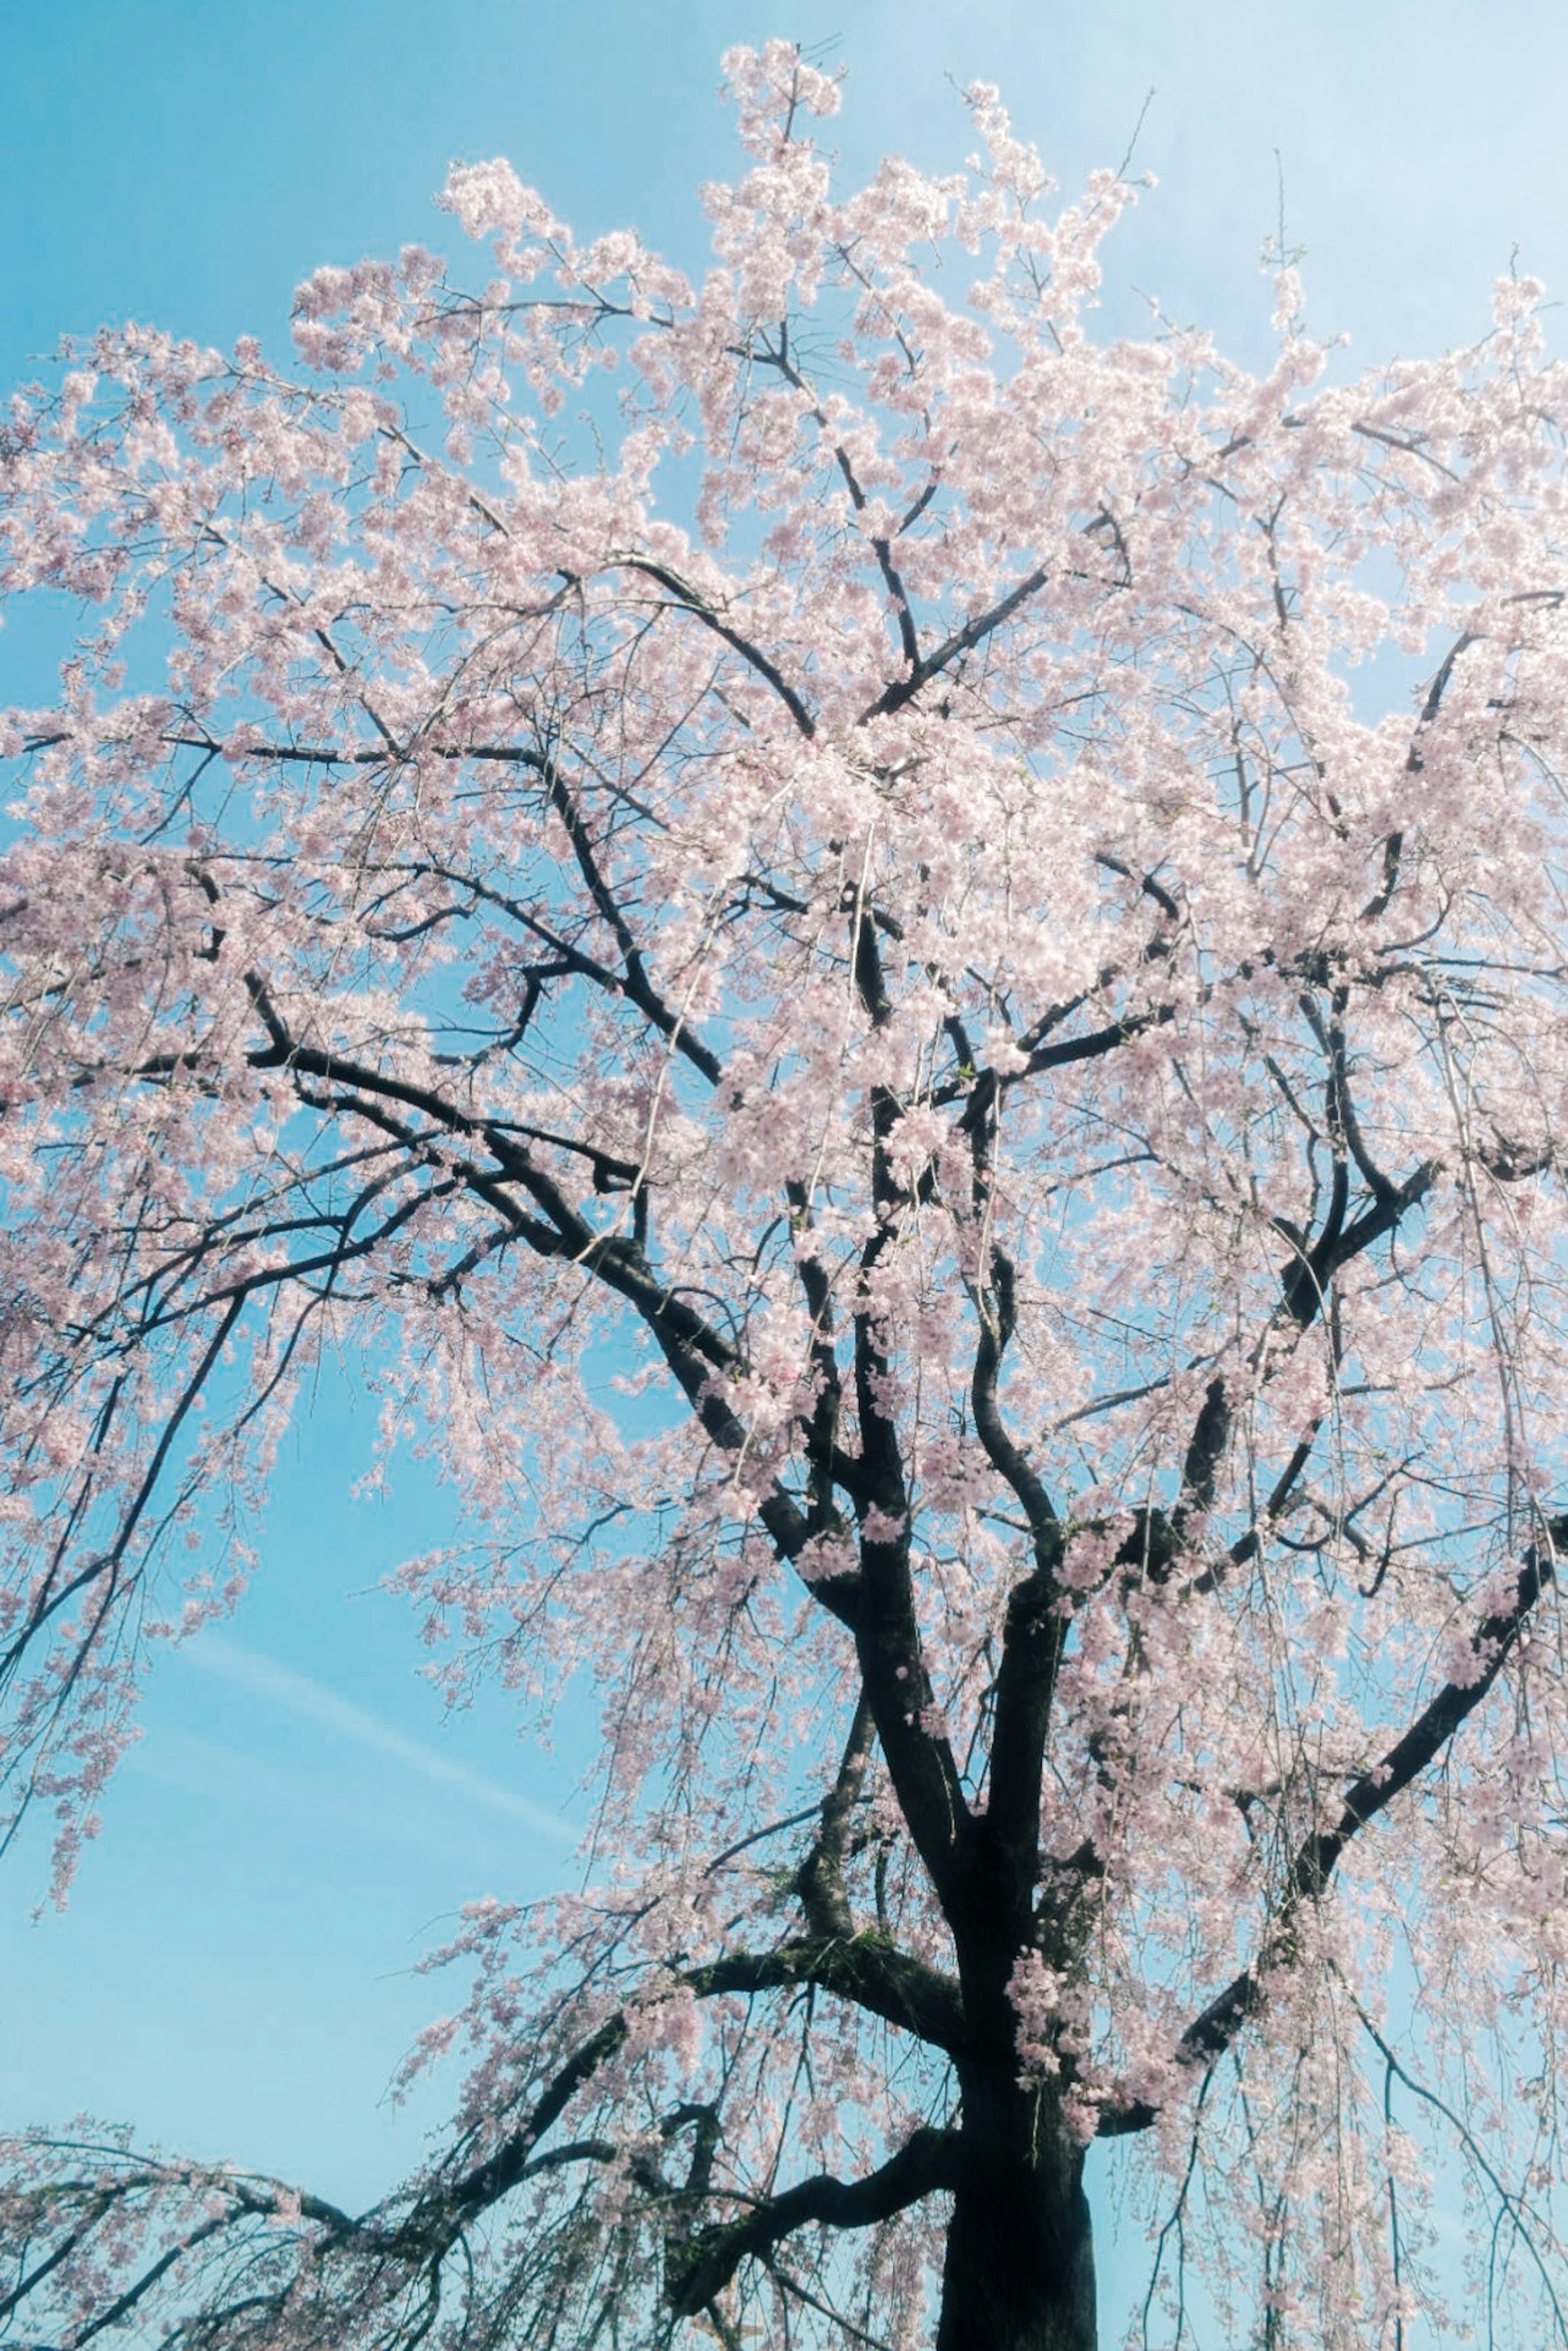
(1019, 2274)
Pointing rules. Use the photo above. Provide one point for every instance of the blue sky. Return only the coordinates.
(234, 1971)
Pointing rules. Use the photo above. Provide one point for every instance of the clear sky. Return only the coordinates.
(232, 1972)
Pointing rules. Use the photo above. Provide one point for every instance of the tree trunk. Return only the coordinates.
(1018, 2273)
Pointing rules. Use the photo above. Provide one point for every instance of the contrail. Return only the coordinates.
(248, 1669)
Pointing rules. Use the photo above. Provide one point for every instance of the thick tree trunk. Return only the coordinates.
(1020, 2268)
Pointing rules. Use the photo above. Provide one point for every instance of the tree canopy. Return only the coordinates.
(900, 975)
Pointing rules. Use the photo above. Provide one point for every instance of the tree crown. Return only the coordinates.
(938, 1092)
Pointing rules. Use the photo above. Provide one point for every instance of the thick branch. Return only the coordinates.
(927, 2161)
(1033, 1631)
(820, 1884)
(1307, 1280)
(865, 1969)
(826, 1465)
(918, 1753)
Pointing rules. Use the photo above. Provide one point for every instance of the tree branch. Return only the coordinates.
(1032, 1632)
(701, 609)
(927, 2161)
(820, 1882)
(867, 1970)
(918, 1754)
(1210, 2033)
(962, 640)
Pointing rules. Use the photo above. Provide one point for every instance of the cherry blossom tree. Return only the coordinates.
(900, 977)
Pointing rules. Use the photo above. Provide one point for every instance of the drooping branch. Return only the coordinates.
(693, 1348)
(632, 981)
(692, 601)
(96, 2207)
(1512, 2201)
(1211, 2033)
(52, 1595)
(866, 1970)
